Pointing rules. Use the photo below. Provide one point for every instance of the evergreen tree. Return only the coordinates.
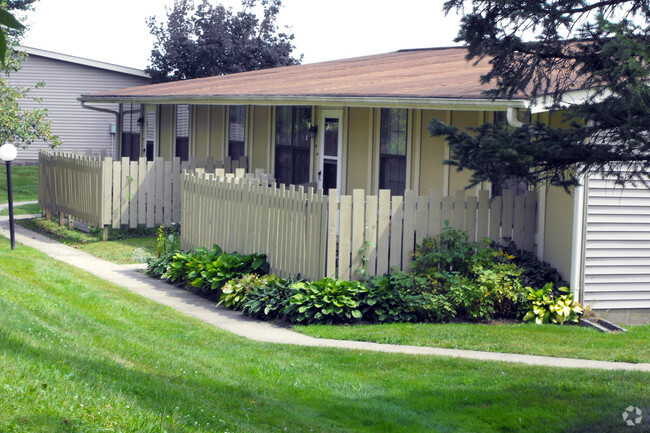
(548, 51)
(212, 40)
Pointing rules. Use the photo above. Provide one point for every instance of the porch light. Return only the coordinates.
(8, 153)
(313, 132)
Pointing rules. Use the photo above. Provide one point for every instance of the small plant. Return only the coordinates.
(545, 307)
(326, 301)
(270, 301)
(168, 239)
(362, 272)
(235, 292)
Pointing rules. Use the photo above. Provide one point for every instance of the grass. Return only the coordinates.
(546, 340)
(78, 354)
(24, 181)
(26, 209)
(123, 246)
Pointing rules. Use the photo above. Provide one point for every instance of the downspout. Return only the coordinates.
(105, 110)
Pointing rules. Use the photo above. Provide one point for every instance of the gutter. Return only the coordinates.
(106, 110)
(324, 101)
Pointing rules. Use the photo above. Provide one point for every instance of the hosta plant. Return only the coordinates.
(326, 301)
(235, 292)
(547, 308)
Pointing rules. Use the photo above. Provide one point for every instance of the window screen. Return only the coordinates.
(392, 144)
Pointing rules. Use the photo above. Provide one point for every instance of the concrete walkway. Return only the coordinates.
(236, 323)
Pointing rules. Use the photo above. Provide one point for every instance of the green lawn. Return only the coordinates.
(78, 354)
(526, 338)
(123, 246)
(24, 180)
(26, 209)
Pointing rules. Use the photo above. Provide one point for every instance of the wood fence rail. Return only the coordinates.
(315, 235)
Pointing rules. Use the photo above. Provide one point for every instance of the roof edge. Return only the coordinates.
(349, 101)
(83, 61)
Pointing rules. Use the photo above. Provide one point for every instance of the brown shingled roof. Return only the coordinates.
(423, 73)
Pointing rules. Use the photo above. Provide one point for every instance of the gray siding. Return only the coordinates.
(617, 245)
(80, 129)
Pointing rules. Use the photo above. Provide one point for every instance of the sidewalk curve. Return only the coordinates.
(236, 323)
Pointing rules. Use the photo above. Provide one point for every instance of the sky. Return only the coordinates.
(116, 32)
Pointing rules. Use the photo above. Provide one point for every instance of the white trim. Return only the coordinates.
(83, 61)
(337, 114)
(325, 101)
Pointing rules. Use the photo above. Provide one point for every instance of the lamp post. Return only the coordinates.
(8, 153)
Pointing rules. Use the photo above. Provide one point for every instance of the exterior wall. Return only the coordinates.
(617, 245)
(217, 131)
(261, 138)
(461, 120)
(558, 229)
(201, 131)
(166, 132)
(360, 136)
(431, 171)
(80, 129)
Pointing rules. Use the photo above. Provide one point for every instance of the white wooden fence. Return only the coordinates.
(249, 216)
(103, 192)
(314, 235)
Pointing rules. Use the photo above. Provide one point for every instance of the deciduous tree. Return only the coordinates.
(213, 40)
(550, 52)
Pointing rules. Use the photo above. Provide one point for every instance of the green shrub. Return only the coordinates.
(157, 266)
(545, 307)
(475, 281)
(405, 297)
(535, 273)
(235, 292)
(269, 301)
(448, 253)
(327, 301)
(210, 270)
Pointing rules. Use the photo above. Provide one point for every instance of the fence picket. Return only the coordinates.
(331, 233)
(470, 217)
(530, 221)
(383, 234)
(345, 238)
(396, 232)
(142, 191)
(371, 235)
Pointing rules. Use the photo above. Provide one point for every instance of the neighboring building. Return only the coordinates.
(362, 123)
(67, 77)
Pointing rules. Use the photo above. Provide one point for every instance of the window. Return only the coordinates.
(292, 150)
(183, 132)
(236, 131)
(392, 145)
(131, 127)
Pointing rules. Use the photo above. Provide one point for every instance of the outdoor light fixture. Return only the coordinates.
(8, 153)
(313, 131)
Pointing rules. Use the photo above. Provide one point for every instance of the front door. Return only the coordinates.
(331, 139)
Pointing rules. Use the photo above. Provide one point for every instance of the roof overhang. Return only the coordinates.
(324, 101)
(83, 61)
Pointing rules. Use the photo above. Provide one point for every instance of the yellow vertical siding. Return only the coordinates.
(201, 127)
(217, 131)
(261, 139)
(166, 131)
(360, 133)
(432, 153)
(462, 120)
